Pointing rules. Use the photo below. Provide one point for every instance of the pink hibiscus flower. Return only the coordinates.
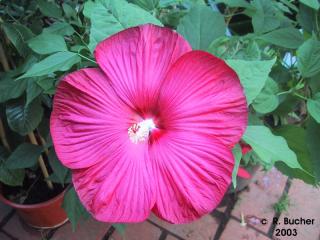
(151, 129)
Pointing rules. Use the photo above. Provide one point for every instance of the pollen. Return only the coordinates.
(139, 132)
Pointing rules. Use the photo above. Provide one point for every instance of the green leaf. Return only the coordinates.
(50, 9)
(46, 84)
(264, 18)
(270, 148)
(121, 228)
(111, 16)
(69, 11)
(24, 118)
(11, 177)
(61, 61)
(313, 143)
(313, 105)
(11, 89)
(267, 100)
(309, 58)
(7, 176)
(235, 3)
(146, 4)
(60, 28)
(201, 26)
(58, 169)
(18, 35)
(74, 208)
(253, 75)
(311, 3)
(237, 154)
(296, 139)
(33, 90)
(235, 48)
(47, 43)
(24, 156)
(285, 37)
(88, 8)
(308, 18)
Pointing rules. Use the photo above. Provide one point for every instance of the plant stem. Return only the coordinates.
(300, 96)
(43, 167)
(285, 92)
(4, 137)
(32, 138)
(4, 60)
(231, 13)
(6, 67)
(87, 58)
(81, 38)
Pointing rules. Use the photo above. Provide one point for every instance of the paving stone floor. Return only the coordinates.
(244, 216)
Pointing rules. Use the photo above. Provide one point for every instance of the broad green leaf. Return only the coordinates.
(314, 83)
(111, 16)
(235, 3)
(61, 61)
(7, 176)
(235, 48)
(121, 228)
(88, 8)
(146, 4)
(46, 83)
(11, 177)
(58, 169)
(313, 105)
(24, 156)
(270, 148)
(264, 18)
(237, 154)
(309, 57)
(284, 37)
(74, 208)
(311, 3)
(50, 9)
(287, 104)
(201, 26)
(47, 43)
(18, 35)
(69, 11)
(33, 90)
(308, 19)
(253, 75)
(313, 143)
(267, 100)
(24, 118)
(60, 28)
(11, 89)
(296, 139)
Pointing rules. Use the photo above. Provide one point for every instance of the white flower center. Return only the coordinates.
(139, 132)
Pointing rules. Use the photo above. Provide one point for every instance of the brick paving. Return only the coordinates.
(239, 217)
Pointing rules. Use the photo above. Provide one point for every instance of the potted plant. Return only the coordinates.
(32, 180)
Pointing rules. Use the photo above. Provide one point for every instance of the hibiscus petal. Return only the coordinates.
(137, 59)
(119, 189)
(87, 116)
(243, 173)
(202, 94)
(192, 173)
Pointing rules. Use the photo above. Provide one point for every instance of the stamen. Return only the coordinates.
(139, 132)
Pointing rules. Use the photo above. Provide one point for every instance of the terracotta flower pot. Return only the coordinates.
(43, 215)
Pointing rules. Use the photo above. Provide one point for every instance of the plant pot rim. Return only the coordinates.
(31, 206)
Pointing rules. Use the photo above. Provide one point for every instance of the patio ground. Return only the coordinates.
(244, 216)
